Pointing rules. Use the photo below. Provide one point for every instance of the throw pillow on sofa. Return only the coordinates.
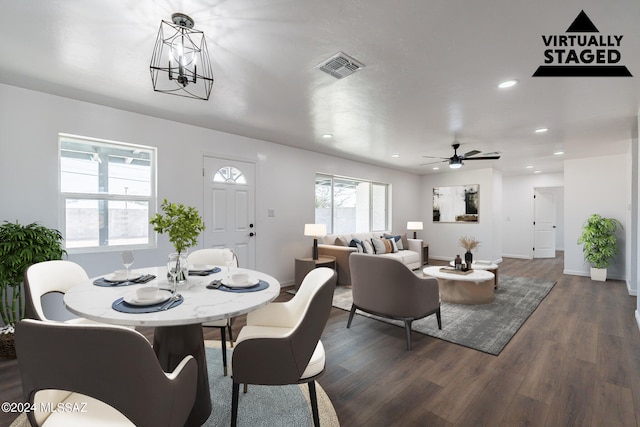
(368, 247)
(392, 243)
(379, 246)
(399, 243)
(356, 243)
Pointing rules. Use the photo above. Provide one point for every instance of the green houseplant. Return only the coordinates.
(600, 245)
(20, 247)
(183, 224)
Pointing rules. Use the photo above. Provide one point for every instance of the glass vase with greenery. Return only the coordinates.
(183, 224)
(20, 247)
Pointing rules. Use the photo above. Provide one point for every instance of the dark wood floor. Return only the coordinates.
(575, 362)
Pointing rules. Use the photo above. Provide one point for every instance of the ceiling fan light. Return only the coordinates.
(455, 165)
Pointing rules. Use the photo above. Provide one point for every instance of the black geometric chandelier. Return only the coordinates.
(180, 63)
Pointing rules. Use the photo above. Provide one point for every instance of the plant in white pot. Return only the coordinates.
(600, 244)
(20, 247)
(183, 224)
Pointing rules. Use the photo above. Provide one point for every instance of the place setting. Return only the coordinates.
(148, 299)
(124, 277)
(203, 270)
(239, 282)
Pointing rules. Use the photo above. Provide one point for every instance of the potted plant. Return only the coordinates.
(599, 244)
(20, 247)
(183, 224)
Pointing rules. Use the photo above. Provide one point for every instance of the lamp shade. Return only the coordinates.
(315, 229)
(414, 225)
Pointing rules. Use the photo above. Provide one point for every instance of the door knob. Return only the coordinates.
(251, 234)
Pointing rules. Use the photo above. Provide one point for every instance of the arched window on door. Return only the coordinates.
(229, 175)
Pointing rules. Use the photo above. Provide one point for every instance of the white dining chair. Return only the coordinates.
(48, 277)
(217, 257)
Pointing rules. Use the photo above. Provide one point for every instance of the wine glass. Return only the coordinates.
(228, 260)
(173, 272)
(127, 260)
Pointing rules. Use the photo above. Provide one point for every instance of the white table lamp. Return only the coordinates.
(413, 226)
(315, 230)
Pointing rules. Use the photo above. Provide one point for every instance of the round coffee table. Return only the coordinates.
(475, 287)
(484, 265)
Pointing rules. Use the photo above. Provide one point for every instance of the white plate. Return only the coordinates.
(200, 267)
(230, 284)
(132, 299)
(121, 277)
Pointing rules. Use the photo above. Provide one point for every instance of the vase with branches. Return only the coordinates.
(468, 243)
(183, 224)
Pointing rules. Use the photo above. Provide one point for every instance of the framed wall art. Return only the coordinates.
(457, 203)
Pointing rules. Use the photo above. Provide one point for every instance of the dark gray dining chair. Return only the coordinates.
(99, 375)
(386, 287)
(281, 342)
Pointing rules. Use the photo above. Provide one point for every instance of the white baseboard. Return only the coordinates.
(632, 292)
(638, 318)
(516, 256)
(588, 274)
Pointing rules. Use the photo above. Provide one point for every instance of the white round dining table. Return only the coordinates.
(178, 330)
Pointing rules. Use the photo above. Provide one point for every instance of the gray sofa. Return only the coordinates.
(337, 245)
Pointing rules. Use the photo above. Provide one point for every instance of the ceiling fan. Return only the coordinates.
(455, 161)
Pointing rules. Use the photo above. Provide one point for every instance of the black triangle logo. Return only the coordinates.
(582, 24)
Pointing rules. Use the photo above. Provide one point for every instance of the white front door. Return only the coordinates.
(544, 224)
(229, 207)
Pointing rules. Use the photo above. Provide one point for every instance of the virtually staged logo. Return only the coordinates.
(585, 54)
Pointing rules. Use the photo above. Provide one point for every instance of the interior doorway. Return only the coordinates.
(548, 224)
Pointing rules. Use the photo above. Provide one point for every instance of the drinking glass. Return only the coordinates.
(173, 272)
(228, 260)
(127, 260)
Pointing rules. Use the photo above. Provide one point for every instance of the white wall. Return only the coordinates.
(30, 122)
(595, 185)
(518, 212)
(443, 237)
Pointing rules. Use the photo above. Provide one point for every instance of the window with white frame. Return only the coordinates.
(107, 194)
(349, 205)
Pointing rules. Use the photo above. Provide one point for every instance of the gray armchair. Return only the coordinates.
(99, 375)
(386, 287)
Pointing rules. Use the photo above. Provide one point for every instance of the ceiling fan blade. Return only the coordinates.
(433, 163)
(470, 153)
(484, 158)
(433, 157)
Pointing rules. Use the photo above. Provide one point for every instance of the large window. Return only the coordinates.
(107, 194)
(348, 205)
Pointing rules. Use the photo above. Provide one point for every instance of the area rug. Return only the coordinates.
(272, 406)
(487, 327)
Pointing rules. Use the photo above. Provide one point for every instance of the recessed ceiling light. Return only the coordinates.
(537, 171)
(507, 84)
(558, 153)
(529, 167)
(436, 168)
(327, 136)
(395, 155)
(541, 130)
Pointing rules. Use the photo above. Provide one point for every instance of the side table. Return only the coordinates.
(425, 253)
(304, 265)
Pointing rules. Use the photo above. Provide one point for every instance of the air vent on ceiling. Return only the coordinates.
(340, 65)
